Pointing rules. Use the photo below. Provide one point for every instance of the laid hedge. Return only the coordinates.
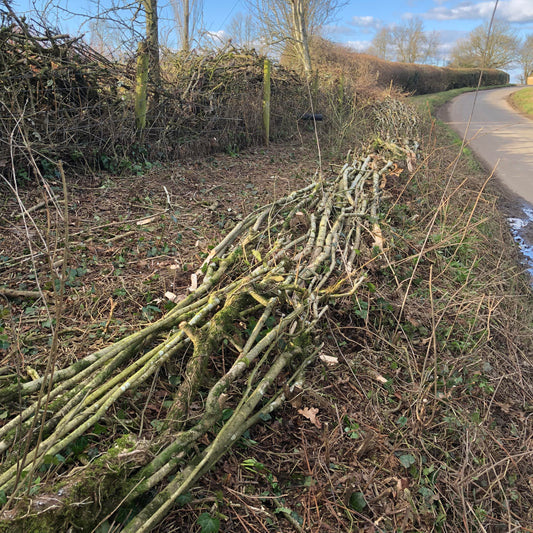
(423, 79)
(409, 77)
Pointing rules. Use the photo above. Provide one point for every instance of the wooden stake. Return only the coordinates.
(141, 86)
(266, 101)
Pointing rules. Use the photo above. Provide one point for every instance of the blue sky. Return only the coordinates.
(452, 19)
(358, 21)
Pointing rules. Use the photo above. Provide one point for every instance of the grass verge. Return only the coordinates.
(523, 101)
(431, 102)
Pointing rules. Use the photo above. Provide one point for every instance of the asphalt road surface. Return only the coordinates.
(502, 139)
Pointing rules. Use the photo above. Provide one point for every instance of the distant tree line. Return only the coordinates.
(494, 47)
(498, 48)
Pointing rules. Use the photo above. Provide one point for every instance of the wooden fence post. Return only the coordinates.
(266, 101)
(141, 86)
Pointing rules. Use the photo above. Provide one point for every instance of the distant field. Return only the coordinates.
(523, 100)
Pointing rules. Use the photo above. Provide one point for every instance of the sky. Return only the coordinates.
(356, 23)
(452, 19)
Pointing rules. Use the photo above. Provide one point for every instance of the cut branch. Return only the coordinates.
(265, 291)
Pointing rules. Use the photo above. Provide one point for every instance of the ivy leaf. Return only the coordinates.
(426, 492)
(4, 342)
(183, 499)
(208, 523)
(357, 501)
(407, 460)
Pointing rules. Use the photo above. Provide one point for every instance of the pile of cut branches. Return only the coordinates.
(60, 98)
(242, 338)
(219, 97)
(63, 100)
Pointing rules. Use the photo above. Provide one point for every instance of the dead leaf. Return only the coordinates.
(145, 221)
(202, 245)
(411, 160)
(378, 236)
(194, 282)
(402, 484)
(175, 298)
(505, 407)
(310, 413)
(329, 359)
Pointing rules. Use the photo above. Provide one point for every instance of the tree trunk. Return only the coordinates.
(266, 101)
(299, 28)
(152, 38)
(185, 27)
(141, 86)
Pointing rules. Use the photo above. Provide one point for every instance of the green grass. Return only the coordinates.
(523, 100)
(433, 101)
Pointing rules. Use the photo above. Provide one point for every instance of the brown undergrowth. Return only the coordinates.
(132, 239)
(422, 420)
(418, 419)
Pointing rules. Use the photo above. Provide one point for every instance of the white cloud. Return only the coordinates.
(217, 37)
(213, 39)
(358, 46)
(366, 22)
(510, 10)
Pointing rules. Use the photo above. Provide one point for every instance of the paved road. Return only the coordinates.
(500, 136)
(503, 139)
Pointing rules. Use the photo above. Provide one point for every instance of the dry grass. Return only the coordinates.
(423, 423)
(425, 420)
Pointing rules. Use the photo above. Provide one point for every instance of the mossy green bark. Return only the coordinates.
(80, 502)
(141, 86)
(206, 341)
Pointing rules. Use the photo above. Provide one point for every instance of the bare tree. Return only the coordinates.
(188, 16)
(299, 32)
(525, 57)
(381, 45)
(433, 54)
(408, 43)
(104, 37)
(411, 42)
(148, 68)
(287, 24)
(151, 16)
(483, 50)
(241, 30)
